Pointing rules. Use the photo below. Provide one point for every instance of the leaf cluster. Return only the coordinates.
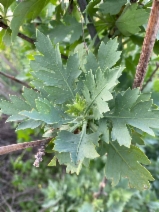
(76, 98)
(85, 113)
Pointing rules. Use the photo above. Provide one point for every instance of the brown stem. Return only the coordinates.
(15, 147)
(24, 37)
(151, 76)
(16, 80)
(149, 40)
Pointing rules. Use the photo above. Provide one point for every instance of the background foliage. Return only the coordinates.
(79, 27)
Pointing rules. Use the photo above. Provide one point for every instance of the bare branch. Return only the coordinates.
(15, 147)
(151, 76)
(149, 40)
(14, 79)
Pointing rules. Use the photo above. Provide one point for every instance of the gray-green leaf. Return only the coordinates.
(130, 109)
(125, 162)
(79, 146)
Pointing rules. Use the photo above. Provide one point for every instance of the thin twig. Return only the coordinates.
(101, 189)
(15, 147)
(151, 76)
(14, 79)
(90, 26)
(85, 44)
(149, 40)
(24, 37)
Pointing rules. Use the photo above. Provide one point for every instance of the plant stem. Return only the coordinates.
(15, 147)
(24, 37)
(90, 26)
(149, 40)
(14, 79)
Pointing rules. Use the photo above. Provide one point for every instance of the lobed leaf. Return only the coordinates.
(131, 19)
(79, 146)
(112, 6)
(131, 110)
(64, 158)
(125, 162)
(69, 26)
(26, 9)
(54, 76)
(107, 56)
(97, 90)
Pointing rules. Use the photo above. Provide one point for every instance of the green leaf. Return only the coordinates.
(129, 110)
(64, 158)
(79, 146)
(103, 129)
(125, 162)
(78, 106)
(52, 162)
(97, 90)
(16, 117)
(43, 106)
(131, 19)
(86, 207)
(8, 108)
(19, 104)
(29, 9)
(12, 108)
(32, 124)
(92, 63)
(90, 7)
(6, 3)
(69, 27)
(112, 6)
(118, 199)
(107, 56)
(136, 138)
(7, 37)
(53, 116)
(50, 71)
(2, 34)
(30, 96)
